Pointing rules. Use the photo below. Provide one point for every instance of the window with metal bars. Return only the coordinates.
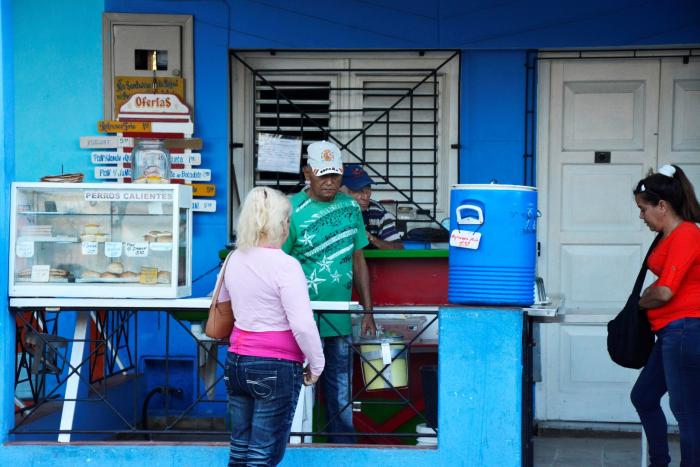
(304, 113)
(396, 113)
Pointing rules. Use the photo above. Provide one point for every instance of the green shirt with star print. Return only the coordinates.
(322, 237)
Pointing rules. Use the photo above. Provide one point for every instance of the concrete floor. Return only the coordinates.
(563, 451)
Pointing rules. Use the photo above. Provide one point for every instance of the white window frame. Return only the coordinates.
(399, 62)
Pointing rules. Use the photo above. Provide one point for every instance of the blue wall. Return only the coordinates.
(58, 85)
(7, 325)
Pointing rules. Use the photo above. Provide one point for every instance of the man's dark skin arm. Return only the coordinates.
(360, 278)
(383, 244)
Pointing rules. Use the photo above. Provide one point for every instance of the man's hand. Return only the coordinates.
(369, 328)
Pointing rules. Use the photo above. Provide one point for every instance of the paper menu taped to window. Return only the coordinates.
(277, 153)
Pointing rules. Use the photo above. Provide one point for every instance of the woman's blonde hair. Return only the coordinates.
(263, 218)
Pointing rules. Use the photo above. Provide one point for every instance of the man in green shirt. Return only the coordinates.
(326, 235)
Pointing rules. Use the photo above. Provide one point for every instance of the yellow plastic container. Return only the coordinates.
(376, 353)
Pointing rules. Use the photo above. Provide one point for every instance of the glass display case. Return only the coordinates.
(107, 240)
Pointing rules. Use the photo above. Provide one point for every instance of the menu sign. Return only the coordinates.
(128, 195)
(127, 86)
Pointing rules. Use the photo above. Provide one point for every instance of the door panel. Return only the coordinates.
(595, 241)
(679, 118)
(603, 115)
(597, 198)
(600, 265)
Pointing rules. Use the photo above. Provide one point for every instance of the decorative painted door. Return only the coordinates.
(604, 124)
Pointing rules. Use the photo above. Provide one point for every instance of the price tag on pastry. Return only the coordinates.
(136, 250)
(113, 249)
(465, 239)
(24, 248)
(89, 248)
(41, 273)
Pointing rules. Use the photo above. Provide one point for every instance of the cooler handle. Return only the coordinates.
(470, 219)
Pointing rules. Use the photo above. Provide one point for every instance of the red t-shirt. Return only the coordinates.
(676, 262)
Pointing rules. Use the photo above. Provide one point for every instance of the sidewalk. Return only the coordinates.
(561, 451)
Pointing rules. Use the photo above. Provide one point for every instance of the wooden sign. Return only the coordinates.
(183, 143)
(127, 86)
(106, 142)
(102, 173)
(113, 142)
(201, 175)
(108, 157)
(204, 205)
(113, 126)
(203, 189)
(149, 103)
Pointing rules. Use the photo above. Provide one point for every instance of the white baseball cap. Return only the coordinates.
(324, 158)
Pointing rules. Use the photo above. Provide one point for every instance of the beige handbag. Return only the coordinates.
(220, 321)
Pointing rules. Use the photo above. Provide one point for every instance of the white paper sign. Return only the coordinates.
(24, 248)
(113, 249)
(136, 250)
(278, 154)
(89, 248)
(386, 353)
(465, 239)
(41, 273)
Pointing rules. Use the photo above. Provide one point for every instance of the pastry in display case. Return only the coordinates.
(103, 240)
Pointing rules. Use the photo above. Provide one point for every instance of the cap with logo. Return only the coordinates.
(324, 158)
(355, 177)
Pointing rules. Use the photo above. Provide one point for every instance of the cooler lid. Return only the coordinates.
(492, 186)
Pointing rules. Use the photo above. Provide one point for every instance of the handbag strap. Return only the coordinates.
(637, 290)
(220, 280)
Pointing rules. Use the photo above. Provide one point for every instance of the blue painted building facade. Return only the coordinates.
(51, 94)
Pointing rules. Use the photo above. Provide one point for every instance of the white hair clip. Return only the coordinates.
(667, 170)
(642, 188)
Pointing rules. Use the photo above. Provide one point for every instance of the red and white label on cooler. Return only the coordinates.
(465, 239)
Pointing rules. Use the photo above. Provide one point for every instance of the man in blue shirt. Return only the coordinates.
(381, 228)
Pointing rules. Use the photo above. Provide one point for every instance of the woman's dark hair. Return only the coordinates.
(676, 190)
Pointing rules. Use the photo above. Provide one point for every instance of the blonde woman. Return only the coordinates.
(273, 333)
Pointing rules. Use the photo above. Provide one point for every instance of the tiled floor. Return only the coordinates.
(559, 451)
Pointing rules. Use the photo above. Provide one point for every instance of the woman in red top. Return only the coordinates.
(668, 205)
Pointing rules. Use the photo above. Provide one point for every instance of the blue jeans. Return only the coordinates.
(336, 384)
(674, 366)
(262, 395)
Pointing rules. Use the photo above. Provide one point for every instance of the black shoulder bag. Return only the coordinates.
(630, 338)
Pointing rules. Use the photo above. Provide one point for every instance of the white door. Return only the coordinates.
(679, 119)
(592, 239)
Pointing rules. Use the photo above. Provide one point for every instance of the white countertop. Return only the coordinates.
(194, 303)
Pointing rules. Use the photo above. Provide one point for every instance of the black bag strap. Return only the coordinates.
(637, 290)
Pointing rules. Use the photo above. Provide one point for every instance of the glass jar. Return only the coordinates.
(150, 162)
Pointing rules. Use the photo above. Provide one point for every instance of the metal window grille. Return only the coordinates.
(388, 119)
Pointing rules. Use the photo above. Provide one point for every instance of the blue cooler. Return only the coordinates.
(499, 223)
